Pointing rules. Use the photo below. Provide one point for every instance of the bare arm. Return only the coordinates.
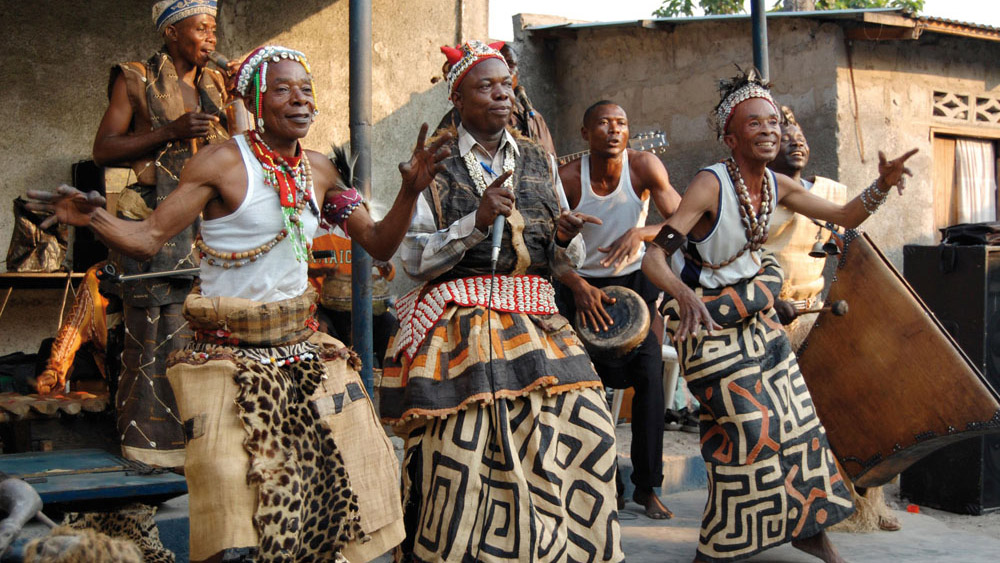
(114, 143)
(697, 206)
(650, 175)
(382, 238)
(852, 213)
(143, 239)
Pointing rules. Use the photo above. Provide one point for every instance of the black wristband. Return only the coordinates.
(669, 239)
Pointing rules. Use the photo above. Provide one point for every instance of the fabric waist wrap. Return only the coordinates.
(232, 320)
(421, 308)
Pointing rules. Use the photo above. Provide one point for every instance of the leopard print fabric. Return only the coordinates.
(71, 545)
(306, 510)
(133, 522)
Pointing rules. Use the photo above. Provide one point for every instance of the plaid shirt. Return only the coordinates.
(427, 252)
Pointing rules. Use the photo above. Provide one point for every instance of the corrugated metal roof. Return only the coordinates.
(882, 16)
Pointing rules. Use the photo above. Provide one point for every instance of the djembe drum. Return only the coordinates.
(616, 345)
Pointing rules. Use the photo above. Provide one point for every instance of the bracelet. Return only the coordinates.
(669, 239)
(873, 198)
(337, 208)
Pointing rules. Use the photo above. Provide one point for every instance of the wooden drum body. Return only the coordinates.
(888, 382)
(631, 325)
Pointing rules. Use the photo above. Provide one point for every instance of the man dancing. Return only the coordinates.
(510, 452)
(772, 476)
(285, 456)
(160, 110)
(615, 183)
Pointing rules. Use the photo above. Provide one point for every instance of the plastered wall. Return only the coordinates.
(55, 73)
(666, 79)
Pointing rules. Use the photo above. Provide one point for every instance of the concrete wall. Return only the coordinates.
(665, 78)
(55, 90)
(668, 80)
(895, 81)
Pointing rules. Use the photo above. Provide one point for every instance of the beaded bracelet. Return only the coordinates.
(873, 198)
(338, 208)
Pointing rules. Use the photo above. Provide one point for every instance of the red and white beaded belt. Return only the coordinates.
(532, 295)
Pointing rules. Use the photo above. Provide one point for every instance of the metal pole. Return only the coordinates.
(361, 128)
(757, 16)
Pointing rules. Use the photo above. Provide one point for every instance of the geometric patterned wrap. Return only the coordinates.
(251, 323)
(772, 475)
(420, 309)
(468, 355)
(466, 499)
(266, 451)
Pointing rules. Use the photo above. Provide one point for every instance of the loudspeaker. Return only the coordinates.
(87, 249)
(961, 285)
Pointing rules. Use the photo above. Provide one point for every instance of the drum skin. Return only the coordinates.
(631, 324)
(888, 382)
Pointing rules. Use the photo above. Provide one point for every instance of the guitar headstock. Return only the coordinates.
(650, 141)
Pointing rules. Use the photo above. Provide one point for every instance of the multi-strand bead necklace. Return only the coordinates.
(755, 223)
(294, 184)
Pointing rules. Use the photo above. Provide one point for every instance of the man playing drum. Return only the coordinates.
(772, 476)
(615, 183)
(790, 239)
(285, 456)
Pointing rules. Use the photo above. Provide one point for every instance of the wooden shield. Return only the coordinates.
(888, 382)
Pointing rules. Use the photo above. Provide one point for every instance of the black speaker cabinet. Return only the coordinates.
(961, 285)
(87, 249)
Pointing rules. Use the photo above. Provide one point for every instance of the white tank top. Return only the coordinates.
(726, 238)
(620, 211)
(276, 275)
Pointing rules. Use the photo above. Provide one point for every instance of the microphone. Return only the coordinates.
(219, 60)
(497, 238)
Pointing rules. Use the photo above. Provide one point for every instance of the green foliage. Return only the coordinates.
(677, 8)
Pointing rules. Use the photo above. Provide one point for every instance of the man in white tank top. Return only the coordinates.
(615, 183)
(261, 196)
(771, 471)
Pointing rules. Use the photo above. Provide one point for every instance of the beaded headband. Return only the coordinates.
(251, 77)
(168, 12)
(463, 58)
(748, 91)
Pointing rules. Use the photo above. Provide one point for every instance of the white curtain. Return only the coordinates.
(975, 181)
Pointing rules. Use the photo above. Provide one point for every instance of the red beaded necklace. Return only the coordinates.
(292, 179)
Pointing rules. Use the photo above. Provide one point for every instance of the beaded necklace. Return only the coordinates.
(294, 185)
(476, 171)
(755, 224)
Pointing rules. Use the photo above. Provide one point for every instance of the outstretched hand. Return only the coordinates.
(66, 205)
(892, 172)
(425, 162)
(622, 250)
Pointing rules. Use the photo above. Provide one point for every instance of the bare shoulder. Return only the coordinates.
(645, 165)
(704, 185)
(324, 173)
(570, 168)
(213, 161)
